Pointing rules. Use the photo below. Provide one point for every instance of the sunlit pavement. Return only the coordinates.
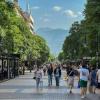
(23, 88)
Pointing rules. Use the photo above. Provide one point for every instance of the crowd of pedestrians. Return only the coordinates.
(88, 76)
(51, 70)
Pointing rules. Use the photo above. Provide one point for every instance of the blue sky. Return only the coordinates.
(55, 13)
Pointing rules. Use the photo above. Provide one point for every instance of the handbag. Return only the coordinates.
(34, 77)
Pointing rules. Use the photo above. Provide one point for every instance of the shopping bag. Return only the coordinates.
(78, 84)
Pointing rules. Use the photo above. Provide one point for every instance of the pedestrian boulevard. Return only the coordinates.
(24, 88)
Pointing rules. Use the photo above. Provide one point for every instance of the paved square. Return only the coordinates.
(23, 88)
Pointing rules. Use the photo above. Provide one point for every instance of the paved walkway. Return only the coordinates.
(23, 88)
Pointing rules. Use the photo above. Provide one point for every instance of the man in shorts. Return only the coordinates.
(84, 75)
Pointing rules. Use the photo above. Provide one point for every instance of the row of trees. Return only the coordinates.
(84, 36)
(15, 36)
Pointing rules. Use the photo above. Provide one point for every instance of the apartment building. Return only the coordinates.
(25, 15)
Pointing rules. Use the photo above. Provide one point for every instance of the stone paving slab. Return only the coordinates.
(24, 88)
(41, 90)
(30, 87)
(7, 90)
(46, 96)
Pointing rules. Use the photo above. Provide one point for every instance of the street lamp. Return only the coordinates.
(97, 50)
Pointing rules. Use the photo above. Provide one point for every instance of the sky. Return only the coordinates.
(55, 13)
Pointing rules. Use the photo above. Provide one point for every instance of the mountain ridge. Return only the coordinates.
(54, 38)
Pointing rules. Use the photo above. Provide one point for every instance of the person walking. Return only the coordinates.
(70, 75)
(57, 74)
(98, 80)
(38, 76)
(50, 72)
(84, 75)
(93, 80)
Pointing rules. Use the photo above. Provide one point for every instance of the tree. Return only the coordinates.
(85, 37)
(16, 36)
(61, 56)
(72, 43)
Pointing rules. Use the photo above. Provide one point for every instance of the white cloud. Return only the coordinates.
(79, 13)
(70, 13)
(57, 8)
(46, 20)
(36, 7)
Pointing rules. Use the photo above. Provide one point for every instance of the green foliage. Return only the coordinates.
(51, 58)
(61, 56)
(16, 37)
(93, 62)
(40, 49)
(72, 43)
(84, 38)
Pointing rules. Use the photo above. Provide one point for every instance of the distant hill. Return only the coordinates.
(54, 38)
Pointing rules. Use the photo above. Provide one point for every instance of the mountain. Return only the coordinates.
(54, 38)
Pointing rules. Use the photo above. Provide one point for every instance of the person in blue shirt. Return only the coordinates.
(93, 79)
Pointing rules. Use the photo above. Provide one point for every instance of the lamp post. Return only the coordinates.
(85, 44)
(85, 31)
(97, 50)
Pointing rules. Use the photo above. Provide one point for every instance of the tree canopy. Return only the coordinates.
(84, 36)
(15, 35)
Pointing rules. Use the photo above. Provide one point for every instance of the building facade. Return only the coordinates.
(25, 15)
